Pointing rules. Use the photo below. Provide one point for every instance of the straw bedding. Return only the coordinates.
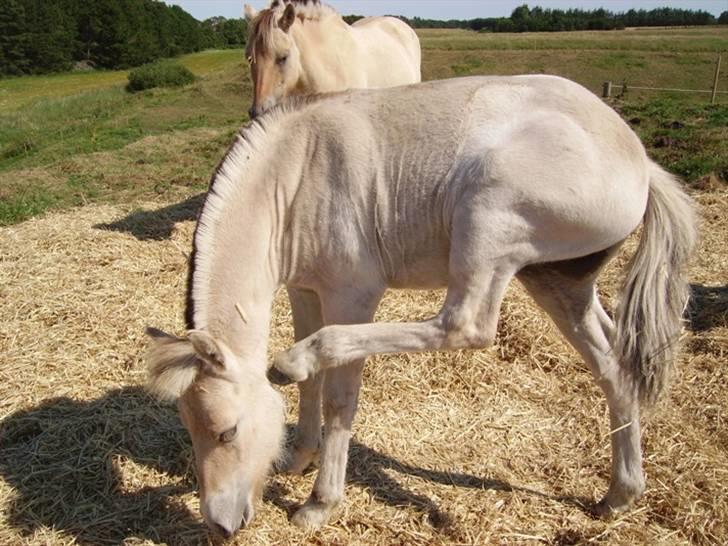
(505, 446)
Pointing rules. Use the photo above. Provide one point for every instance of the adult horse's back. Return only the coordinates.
(298, 47)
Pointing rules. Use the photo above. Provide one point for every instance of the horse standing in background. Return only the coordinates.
(465, 183)
(302, 47)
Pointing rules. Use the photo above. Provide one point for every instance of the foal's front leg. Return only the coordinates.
(340, 398)
(306, 311)
(341, 393)
(468, 320)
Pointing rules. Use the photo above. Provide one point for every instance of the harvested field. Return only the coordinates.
(505, 446)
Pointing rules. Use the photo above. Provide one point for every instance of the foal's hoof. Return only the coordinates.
(278, 378)
(300, 459)
(294, 364)
(620, 497)
(608, 508)
(604, 510)
(312, 515)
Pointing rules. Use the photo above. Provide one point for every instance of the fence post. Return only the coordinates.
(715, 81)
(607, 90)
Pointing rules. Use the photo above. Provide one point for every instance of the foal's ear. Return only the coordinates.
(207, 348)
(287, 19)
(158, 335)
(249, 12)
(172, 365)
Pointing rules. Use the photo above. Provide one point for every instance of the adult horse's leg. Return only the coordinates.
(566, 291)
(306, 311)
(340, 396)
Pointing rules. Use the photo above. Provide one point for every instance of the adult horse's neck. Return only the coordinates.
(235, 267)
(321, 43)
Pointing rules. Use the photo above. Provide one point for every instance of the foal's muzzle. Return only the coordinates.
(226, 520)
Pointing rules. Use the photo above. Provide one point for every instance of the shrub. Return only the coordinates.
(159, 74)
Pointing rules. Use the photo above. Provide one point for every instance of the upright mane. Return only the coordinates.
(221, 189)
(261, 27)
(224, 185)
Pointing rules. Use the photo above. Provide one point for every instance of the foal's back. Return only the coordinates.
(392, 168)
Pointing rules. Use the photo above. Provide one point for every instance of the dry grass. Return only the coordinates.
(497, 447)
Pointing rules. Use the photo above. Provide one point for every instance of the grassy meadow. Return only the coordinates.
(99, 189)
(70, 139)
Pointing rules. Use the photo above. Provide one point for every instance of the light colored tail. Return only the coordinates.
(655, 292)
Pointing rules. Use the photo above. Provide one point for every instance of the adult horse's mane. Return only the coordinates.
(262, 25)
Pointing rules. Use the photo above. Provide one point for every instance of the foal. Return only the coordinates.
(464, 183)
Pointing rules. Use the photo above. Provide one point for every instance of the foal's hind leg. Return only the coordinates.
(569, 296)
(306, 310)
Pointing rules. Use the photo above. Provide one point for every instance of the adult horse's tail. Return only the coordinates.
(655, 293)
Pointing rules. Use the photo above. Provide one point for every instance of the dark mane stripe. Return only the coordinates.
(189, 299)
(259, 124)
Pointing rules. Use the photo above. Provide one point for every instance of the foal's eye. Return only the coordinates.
(250, 59)
(281, 60)
(228, 435)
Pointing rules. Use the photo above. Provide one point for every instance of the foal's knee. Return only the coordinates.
(341, 402)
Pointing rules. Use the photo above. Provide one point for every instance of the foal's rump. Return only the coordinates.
(568, 186)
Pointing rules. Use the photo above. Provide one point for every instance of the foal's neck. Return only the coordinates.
(237, 249)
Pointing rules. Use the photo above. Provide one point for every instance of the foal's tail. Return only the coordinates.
(655, 293)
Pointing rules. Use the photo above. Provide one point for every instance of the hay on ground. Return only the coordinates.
(491, 447)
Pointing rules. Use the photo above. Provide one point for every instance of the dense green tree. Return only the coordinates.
(13, 38)
(537, 19)
(50, 35)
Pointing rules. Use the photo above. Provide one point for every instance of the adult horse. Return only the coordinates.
(464, 183)
(300, 47)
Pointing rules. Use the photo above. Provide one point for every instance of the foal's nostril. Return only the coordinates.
(222, 530)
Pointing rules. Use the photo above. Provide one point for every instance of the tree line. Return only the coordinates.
(537, 19)
(39, 36)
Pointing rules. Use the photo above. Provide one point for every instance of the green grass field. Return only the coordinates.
(70, 139)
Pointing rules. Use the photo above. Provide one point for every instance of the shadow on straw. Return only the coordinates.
(157, 225)
(72, 465)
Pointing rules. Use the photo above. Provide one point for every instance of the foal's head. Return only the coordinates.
(274, 57)
(233, 415)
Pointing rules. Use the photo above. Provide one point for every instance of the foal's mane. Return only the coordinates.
(225, 182)
(262, 26)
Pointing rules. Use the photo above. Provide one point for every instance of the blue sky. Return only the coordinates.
(447, 9)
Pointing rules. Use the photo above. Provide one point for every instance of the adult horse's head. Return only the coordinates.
(274, 57)
(233, 415)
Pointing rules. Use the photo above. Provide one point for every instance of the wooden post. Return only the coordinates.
(607, 90)
(715, 81)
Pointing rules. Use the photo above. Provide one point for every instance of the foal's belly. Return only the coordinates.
(421, 270)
